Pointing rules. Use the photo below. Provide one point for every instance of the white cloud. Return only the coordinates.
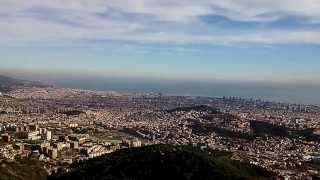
(157, 21)
(246, 10)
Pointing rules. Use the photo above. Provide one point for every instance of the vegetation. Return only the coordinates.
(209, 109)
(264, 128)
(207, 129)
(225, 116)
(201, 129)
(259, 129)
(22, 170)
(164, 162)
(110, 135)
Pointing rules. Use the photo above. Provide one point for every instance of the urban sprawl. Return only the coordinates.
(60, 126)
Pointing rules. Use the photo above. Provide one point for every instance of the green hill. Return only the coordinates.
(265, 128)
(164, 162)
(22, 170)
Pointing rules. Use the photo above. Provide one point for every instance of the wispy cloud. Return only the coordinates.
(157, 21)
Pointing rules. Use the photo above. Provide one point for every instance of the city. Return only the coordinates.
(59, 126)
(159, 89)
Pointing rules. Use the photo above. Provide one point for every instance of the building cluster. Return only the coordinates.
(60, 126)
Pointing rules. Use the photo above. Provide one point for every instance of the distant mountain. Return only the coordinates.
(164, 162)
(7, 83)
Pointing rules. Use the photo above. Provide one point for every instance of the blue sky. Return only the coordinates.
(243, 40)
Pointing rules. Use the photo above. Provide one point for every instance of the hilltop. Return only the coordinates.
(164, 162)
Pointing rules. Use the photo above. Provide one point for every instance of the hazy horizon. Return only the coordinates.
(290, 93)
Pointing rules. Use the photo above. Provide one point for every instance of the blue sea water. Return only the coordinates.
(304, 94)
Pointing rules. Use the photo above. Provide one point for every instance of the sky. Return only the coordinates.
(234, 40)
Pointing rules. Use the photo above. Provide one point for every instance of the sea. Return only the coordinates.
(288, 93)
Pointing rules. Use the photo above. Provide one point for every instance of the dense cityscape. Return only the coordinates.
(60, 126)
(159, 89)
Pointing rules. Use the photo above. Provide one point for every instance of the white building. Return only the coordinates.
(73, 125)
(136, 143)
(48, 135)
(33, 135)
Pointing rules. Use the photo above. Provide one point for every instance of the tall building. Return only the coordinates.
(42, 130)
(53, 153)
(136, 143)
(74, 145)
(48, 135)
(33, 135)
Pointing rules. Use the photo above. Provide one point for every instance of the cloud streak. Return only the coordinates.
(45, 22)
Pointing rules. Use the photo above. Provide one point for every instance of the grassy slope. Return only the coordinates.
(22, 170)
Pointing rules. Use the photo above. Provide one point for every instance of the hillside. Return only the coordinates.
(7, 83)
(22, 170)
(164, 162)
